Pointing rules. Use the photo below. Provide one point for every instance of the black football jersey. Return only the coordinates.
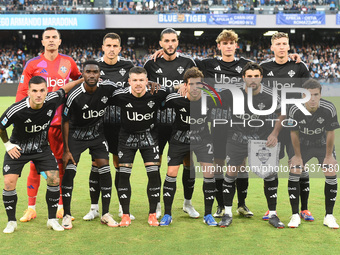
(30, 125)
(168, 74)
(312, 128)
(138, 113)
(119, 74)
(251, 126)
(85, 111)
(288, 75)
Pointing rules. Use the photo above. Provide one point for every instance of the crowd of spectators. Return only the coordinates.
(161, 6)
(322, 61)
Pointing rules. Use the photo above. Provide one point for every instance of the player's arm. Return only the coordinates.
(68, 86)
(296, 160)
(23, 85)
(67, 156)
(11, 148)
(329, 158)
(296, 57)
(272, 138)
(159, 53)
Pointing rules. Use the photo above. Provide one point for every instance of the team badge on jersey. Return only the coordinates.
(104, 99)
(6, 168)
(120, 154)
(238, 69)
(261, 106)
(180, 70)
(4, 121)
(63, 69)
(151, 104)
(49, 113)
(122, 71)
(291, 73)
(320, 120)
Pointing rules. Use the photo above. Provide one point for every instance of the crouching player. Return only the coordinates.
(32, 118)
(313, 136)
(190, 133)
(138, 116)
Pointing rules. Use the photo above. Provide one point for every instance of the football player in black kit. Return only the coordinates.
(281, 72)
(115, 69)
(240, 135)
(83, 129)
(313, 136)
(190, 134)
(31, 117)
(168, 71)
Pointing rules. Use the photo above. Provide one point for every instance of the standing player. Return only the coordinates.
(57, 69)
(83, 129)
(168, 71)
(225, 71)
(280, 72)
(313, 136)
(139, 112)
(240, 135)
(190, 133)
(32, 117)
(115, 69)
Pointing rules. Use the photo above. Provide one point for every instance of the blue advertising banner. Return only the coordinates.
(300, 19)
(182, 18)
(232, 19)
(338, 19)
(60, 21)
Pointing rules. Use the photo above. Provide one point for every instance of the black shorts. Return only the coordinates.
(111, 132)
(98, 148)
(43, 161)
(178, 151)
(285, 141)
(307, 153)
(145, 142)
(219, 137)
(236, 153)
(164, 136)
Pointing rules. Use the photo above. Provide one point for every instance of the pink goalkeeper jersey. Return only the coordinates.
(57, 73)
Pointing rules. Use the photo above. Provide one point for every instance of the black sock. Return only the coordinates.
(124, 188)
(219, 194)
(67, 187)
(117, 178)
(294, 191)
(188, 180)
(209, 189)
(228, 190)
(169, 191)
(10, 199)
(331, 188)
(52, 200)
(242, 183)
(304, 190)
(105, 182)
(154, 187)
(94, 185)
(270, 191)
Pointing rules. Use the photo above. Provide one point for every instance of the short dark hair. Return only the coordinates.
(192, 72)
(91, 62)
(37, 80)
(49, 29)
(251, 66)
(312, 84)
(112, 36)
(168, 31)
(138, 70)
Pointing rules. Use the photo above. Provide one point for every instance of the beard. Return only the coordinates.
(169, 53)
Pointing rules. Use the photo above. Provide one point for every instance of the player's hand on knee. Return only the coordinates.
(67, 156)
(271, 141)
(296, 163)
(330, 164)
(13, 150)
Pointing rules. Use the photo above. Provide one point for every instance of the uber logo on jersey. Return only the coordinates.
(193, 121)
(168, 83)
(37, 128)
(308, 131)
(139, 116)
(93, 114)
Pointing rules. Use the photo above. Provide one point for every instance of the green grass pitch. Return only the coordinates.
(183, 236)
